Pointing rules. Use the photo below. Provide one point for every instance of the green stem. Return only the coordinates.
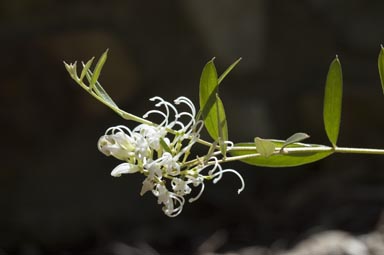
(359, 151)
(128, 116)
(296, 150)
(319, 148)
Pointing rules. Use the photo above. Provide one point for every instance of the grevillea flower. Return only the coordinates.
(160, 153)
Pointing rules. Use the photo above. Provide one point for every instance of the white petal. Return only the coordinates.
(147, 185)
(124, 141)
(102, 145)
(124, 168)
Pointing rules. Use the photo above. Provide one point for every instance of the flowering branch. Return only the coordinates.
(162, 152)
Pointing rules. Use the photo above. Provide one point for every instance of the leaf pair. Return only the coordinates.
(271, 153)
(281, 159)
(266, 147)
(211, 106)
(269, 156)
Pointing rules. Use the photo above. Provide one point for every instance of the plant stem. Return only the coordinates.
(128, 116)
(359, 150)
(318, 148)
(298, 151)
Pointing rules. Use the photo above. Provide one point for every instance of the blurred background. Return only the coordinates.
(56, 193)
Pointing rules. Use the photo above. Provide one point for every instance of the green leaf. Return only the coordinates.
(281, 160)
(72, 69)
(211, 107)
(298, 137)
(100, 92)
(226, 72)
(221, 124)
(381, 66)
(68, 67)
(265, 147)
(85, 68)
(208, 85)
(333, 101)
(97, 70)
(212, 122)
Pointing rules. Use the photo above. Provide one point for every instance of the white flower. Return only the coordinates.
(173, 204)
(124, 168)
(170, 164)
(148, 184)
(118, 145)
(160, 153)
(162, 194)
(154, 170)
(180, 187)
(142, 149)
(152, 134)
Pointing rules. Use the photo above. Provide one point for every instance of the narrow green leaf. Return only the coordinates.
(100, 92)
(226, 72)
(333, 101)
(295, 138)
(72, 69)
(211, 107)
(281, 160)
(265, 147)
(208, 85)
(85, 68)
(211, 122)
(97, 70)
(68, 67)
(221, 126)
(381, 66)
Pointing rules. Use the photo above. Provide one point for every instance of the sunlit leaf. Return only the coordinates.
(212, 123)
(333, 101)
(226, 72)
(99, 91)
(72, 69)
(281, 160)
(211, 106)
(381, 66)
(222, 126)
(98, 68)
(295, 138)
(85, 68)
(265, 147)
(68, 67)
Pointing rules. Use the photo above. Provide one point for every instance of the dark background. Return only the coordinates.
(56, 193)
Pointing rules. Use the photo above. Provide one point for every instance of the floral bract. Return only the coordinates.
(160, 153)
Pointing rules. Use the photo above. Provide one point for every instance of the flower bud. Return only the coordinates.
(124, 168)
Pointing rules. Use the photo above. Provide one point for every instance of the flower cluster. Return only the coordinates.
(160, 153)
